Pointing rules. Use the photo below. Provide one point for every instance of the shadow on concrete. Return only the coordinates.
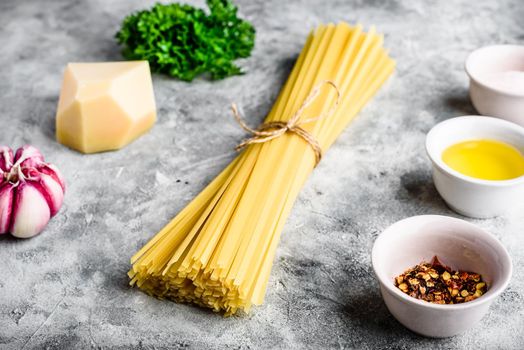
(48, 106)
(417, 187)
(117, 279)
(371, 314)
(8, 239)
(460, 102)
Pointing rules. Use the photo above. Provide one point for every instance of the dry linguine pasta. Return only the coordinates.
(218, 251)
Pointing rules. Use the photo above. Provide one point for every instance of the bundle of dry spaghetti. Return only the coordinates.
(218, 251)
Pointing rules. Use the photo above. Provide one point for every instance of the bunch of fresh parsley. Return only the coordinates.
(183, 41)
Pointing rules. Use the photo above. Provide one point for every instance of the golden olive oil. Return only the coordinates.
(485, 159)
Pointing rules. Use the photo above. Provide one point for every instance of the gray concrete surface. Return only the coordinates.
(67, 288)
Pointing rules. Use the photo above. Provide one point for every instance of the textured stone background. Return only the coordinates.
(67, 288)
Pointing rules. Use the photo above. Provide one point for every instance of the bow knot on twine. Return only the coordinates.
(272, 130)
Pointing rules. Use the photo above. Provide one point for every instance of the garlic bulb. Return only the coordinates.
(31, 191)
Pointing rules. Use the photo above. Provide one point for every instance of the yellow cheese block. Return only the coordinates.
(104, 106)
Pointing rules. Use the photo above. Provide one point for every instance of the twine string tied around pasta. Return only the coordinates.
(272, 130)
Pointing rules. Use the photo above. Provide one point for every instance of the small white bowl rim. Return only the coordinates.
(494, 293)
(436, 159)
(472, 76)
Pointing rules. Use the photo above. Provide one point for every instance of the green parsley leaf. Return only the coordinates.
(184, 42)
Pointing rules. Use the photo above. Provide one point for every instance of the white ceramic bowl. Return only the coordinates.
(467, 195)
(460, 245)
(484, 66)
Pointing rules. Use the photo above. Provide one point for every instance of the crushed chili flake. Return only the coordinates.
(437, 283)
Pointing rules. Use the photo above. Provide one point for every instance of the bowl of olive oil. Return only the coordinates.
(478, 164)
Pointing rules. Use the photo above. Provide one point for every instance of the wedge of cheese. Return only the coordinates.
(104, 106)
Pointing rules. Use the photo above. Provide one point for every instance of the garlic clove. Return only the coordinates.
(6, 159)
(6, 206)
(31, 211)
(28, 156)
(51, 190)
(52, 171)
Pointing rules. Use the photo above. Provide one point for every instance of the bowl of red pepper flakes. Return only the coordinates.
(437, 283)
(439, 275)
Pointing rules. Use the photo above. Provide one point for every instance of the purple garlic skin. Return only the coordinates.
(31, 191)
